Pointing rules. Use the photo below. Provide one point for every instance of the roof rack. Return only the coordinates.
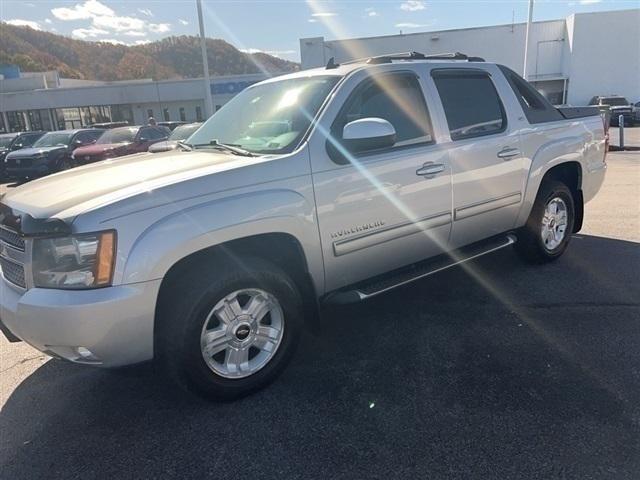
(377, 60)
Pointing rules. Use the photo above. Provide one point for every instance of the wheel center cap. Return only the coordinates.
(242, 331)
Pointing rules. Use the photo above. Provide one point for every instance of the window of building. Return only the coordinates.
(471, 103)
(17, 122)
(68, 118)
(183, 116)
(165, 114)
(39, 120)
(198, 114)
(122, 113)
(396, 98)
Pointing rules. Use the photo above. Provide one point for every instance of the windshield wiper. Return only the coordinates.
(227, 147)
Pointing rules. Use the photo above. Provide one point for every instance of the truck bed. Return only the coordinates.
(578, 112)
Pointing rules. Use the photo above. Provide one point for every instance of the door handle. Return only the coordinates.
(430, 169)
(507, 153)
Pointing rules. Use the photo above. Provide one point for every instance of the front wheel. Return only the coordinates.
(227, 331)
(546, 235)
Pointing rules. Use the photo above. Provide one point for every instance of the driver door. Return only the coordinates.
(379, 210)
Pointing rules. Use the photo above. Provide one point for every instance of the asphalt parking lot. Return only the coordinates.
(499, 371)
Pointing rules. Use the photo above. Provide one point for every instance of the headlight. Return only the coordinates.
(76, 262)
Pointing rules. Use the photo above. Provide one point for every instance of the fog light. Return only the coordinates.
(85, 354)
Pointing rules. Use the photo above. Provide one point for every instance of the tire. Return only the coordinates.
(65, 164)
(541, 240)
(186, 315)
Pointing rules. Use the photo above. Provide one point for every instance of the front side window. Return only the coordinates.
(396, 98)
(268, 118)
(152, 134)
(471, 103)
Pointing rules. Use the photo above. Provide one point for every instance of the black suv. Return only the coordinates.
(15, 141)
(50, 154)
(617, 106)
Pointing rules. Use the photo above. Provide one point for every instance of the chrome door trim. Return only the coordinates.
(487, 205)
(369, 239)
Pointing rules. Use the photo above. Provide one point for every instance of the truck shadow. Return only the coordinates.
(480, 369)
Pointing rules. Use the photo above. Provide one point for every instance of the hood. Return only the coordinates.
(164, 146)
(98, 148)
(71, 192)
(30, 152)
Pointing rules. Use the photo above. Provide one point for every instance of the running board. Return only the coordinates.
(397, 278)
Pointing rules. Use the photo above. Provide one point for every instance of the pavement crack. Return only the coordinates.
(22, 362)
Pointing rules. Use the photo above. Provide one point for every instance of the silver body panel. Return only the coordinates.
(352, 221)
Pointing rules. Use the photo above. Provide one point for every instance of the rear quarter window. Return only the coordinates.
(536, 108)
(471, 102)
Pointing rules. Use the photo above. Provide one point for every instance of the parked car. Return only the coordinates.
(214, 260)
(49, 154)
(108, 125)
(180, 133)
(618, 106)
(15, 141)
(121, 141)
(171, 125)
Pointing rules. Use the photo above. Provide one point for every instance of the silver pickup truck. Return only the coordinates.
(328, 185)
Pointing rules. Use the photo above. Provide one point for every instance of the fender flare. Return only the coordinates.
(185, 232)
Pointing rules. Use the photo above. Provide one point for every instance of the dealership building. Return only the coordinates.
(569, 61)
(44, 101)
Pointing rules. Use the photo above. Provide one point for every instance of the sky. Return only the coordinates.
(275, 27)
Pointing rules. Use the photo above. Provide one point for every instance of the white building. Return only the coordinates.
(43, 101)
(570, 60)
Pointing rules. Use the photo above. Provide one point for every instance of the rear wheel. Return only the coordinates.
(65, 164)
(226, 331)
(546, 235)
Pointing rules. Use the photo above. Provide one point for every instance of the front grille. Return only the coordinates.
(11, 238)
(13, 272)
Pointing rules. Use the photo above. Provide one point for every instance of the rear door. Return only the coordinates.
(488, 168)
(375, 210)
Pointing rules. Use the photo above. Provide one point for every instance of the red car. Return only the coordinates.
(120, 141)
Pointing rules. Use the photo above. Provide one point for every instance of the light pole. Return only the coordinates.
(208, 101)
(526, 39)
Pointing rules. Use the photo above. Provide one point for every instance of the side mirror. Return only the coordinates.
(16, 146)
(368, 134)
(143, 139)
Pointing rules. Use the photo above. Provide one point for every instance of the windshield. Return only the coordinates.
(6, 141)
(183, 132)
(268, 118)
(615, 101)
(52, 139)
(118, 135)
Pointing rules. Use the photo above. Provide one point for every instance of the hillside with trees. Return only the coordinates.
(171, 57)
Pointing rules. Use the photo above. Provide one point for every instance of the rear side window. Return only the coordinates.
(396, 98)
(536, 108)
(471, 103)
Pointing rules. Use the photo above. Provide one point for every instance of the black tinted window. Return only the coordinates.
(152, 134)
(536, 108)
(395, 98)
(471, 103)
